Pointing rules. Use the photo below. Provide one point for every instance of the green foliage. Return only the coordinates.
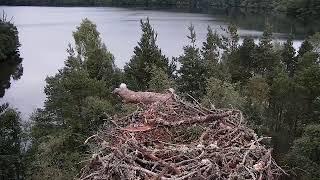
(146, 56)
(305, 47)
(244, 63)
(303, 9)
(97, 60)
(304, 154)
(222, 94)
(308, 74)
(266, 60)
(210, 49)
(191, 77)
(10, 61)
(159, 80)
(256, 92)
(11, 165)
(9, 71)
(231, 41)
(78, 102)
(278, 90)
(288, 56)
(9, 40)
(211, 55)
(57, 157)
(315, 41)
(265, 4)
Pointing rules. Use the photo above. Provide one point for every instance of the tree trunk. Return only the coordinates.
(129, 96)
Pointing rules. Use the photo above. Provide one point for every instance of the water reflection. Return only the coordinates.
(256, 18)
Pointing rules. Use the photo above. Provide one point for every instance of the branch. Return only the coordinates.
(193, 120)
(129, 96)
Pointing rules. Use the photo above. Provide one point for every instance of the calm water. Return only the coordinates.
(45, 32)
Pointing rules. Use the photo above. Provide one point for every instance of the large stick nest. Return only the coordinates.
(173, 139)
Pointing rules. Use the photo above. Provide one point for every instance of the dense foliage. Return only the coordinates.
(10, 60)
(147, 56)
(11, 150)
(191, 75)
(11, 155)
(277, 88)
(78, 102)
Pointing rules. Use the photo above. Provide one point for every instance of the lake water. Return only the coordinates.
(45, 32)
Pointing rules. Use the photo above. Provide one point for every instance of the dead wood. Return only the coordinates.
(129, 96)
(170, 139)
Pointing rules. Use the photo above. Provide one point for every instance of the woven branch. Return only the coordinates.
(176, 140)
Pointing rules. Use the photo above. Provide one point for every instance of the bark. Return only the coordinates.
(129, 96)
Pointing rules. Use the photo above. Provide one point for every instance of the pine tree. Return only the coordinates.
(10, 60)
(308, 75)
(9, 41)
(243, 63)
(146, 55)
(230, 55)
(315, 41)
(192, 78)
(78, 102)
(210, 48)
(231, 40)
(97, 60)
(159, 80)
(305, 47)
(266, 57)
(211, 53)
(288, 56)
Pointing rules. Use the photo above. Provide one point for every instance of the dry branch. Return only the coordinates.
(170, 139)
(129, 96)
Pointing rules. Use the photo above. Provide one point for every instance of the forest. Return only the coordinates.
(302, 9)
(276, 87)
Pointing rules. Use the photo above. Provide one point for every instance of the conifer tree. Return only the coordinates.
(191, 74)
(230, 46)
(78, 102)
(315, 41)
(266, 57)
(9, 41)
(242, 66)
(159, 80)
(231, 40)
(147, 55)
(211, 53)
(288, 56)
(10, 60)
(305, 47)
(97, 60)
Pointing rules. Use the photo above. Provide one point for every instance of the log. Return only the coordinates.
(129, 96)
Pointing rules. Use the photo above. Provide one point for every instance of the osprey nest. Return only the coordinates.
(167, 138)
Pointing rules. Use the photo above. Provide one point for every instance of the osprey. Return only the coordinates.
(123, 86)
